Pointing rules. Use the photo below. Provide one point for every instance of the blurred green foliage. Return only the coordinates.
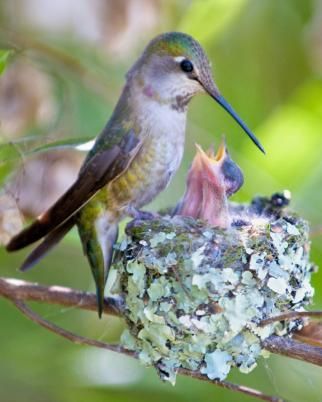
(4, 58)
(264, 63)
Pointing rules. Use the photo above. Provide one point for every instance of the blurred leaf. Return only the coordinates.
(13, 152)
(79, 143)
(4, 59)
(9, 158)
(292, 139)
(205, 19)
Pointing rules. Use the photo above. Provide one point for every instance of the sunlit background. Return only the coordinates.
(58, 86)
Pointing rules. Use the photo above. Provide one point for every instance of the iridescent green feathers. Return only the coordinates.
(177, 44)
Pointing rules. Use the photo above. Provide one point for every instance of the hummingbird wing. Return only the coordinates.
(103, 165)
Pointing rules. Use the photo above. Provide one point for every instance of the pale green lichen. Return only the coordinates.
(217, 364)
(195, 294)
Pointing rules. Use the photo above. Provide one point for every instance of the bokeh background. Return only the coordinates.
(62, 66)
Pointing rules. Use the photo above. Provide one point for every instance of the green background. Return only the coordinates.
(267, 60)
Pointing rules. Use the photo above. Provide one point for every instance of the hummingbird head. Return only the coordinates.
(173, 68)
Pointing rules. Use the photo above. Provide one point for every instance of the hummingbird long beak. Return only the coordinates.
(215, 94)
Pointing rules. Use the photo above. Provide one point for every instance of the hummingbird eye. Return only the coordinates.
(186, 66)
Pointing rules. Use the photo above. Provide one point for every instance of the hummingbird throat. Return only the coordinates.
(167, 93)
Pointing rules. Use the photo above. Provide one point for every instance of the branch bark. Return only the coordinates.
(18, 291)
(15, 290)
(81, 340)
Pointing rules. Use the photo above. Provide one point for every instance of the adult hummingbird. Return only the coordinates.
(134, 157)
(211, 180)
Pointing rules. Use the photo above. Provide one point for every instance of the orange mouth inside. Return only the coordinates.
(221, 152)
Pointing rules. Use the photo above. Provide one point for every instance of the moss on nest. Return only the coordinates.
(196, 294)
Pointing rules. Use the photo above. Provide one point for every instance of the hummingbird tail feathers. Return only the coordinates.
(27, 236)
(98, 241)
(47, 244)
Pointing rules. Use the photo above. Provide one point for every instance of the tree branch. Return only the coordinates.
(81, 340)
(11, 288)
(294, 349)
(15, 290)
(18, 291)
(291, 315)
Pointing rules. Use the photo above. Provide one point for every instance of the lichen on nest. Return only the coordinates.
(195, 294)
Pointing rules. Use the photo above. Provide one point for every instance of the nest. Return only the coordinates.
(195, 294)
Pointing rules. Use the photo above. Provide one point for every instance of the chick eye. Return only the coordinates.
(186, 66)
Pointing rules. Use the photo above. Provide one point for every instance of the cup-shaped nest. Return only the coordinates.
(195, 295)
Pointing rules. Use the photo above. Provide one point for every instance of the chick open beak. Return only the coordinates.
(212, 178)
(219, 169)
(221, 152)
(208, 160)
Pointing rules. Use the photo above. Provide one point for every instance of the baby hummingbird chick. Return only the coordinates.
(211, 180)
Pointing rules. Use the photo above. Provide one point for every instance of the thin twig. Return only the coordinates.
(232, 387)
(22, 290)
(81, 340)
(291, 315)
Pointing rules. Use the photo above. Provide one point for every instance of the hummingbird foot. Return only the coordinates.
(137, 214)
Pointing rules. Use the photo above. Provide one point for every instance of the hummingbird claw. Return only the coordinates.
(137, 214)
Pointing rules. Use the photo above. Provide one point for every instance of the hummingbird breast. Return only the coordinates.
(153, 167)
